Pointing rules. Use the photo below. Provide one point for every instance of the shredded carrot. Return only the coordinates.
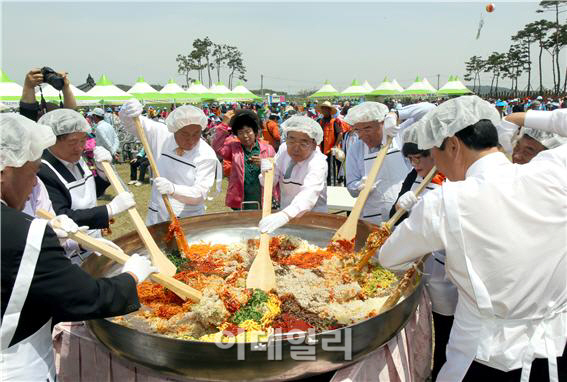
(307, 259)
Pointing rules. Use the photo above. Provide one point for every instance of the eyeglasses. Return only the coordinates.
(302, 143)
(364, 130)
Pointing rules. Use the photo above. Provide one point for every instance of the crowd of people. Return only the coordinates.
(493, 217)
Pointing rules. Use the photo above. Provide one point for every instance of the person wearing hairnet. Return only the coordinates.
(186, 163)
(40, 286)
(300, 171)
(367, 121)
(532, 142)
(502, 227)
(72, 187)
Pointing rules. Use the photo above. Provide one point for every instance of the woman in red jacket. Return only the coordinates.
(245, 153)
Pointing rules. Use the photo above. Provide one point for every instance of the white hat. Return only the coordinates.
(549, 140)
(65, 121)
(303, 124)
(23, 140)
(184, 116)
(451, 117)
(98, 112)
(366, 112)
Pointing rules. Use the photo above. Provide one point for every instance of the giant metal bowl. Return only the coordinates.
(207, 361)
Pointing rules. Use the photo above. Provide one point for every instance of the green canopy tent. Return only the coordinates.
(10, 91)
(454, 87)
(105, 92)
(354, 90)
(419, 88)
(326, 91)
(241, 93)
(386, 88)
(175, 94)
(142, 91)
(219, 92)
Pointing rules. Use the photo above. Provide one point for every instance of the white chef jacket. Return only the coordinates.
(106, 136)
(359, 161)
(194, 170)
(38, 199)
(504, 230)
(306, 189)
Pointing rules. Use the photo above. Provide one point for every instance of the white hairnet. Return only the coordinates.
(22, 140)
(303, 124)
(366, 112)
(185, 115)
(410, 135)
(65, 121)
(549, 140)
(451, 117)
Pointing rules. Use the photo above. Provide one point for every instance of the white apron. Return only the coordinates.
(441, 290)
(32, 358)
(178, 170)
(290, 187)
(389, 183)
(83, 196)
(477, 333)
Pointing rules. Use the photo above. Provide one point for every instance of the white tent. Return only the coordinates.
(106, 92)
(428, 84)
(50, 91)
(454, 86)
(219, 89)
(419, 88)
(397, 85)
(354, 90)
(242, 93)
(9, 90)
(367, 86)
(197, 88)
(172, 88)
(385, 88)
(141, 87)
(326, 91)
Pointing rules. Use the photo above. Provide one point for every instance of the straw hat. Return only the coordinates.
(327, 104)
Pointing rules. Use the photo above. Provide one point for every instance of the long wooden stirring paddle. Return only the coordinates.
(347, 232)
(182, 290)
(175, 226)
(156, 255)
(261, 274)
(377, 238)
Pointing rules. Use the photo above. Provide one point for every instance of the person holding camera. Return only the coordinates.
(29, 107)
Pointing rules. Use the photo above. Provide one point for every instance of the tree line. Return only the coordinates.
(543, 35)
(208, 57)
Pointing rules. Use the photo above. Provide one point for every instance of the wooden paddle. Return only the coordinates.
(156, 255)
(403, 286)
(376, 239)
(182, 290)
(261, 274)
(347, 232)
(175, 226)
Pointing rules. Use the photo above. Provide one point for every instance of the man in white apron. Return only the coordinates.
(300, 171)
(72, 187)
(39, 284)
(187, 164)
(367, 121)
(503, 227)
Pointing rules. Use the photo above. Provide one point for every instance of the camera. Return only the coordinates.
(52, 78)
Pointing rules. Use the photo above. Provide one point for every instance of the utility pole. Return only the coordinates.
(438, 81)
(262, 85)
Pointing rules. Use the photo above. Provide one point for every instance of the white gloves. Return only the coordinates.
(101, 154)
(266, 165)
(338, 153)
(139, 266)
(407, 200)
(121, 203)
(129, 111)
(63, 225)
(508, 132)
(164, 186)
(362, 183)
(391, 128)
(272, 222)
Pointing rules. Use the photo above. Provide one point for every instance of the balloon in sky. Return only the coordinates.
(490, 8)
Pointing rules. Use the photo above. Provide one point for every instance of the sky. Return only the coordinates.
(295, 45)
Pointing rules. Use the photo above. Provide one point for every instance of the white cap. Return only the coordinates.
(22, 140)
(366, 112)
(184, 116)
(451, 117)
(65, 121)
(409, 135)
(98, 112)
(549, 140)
(303, 124)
